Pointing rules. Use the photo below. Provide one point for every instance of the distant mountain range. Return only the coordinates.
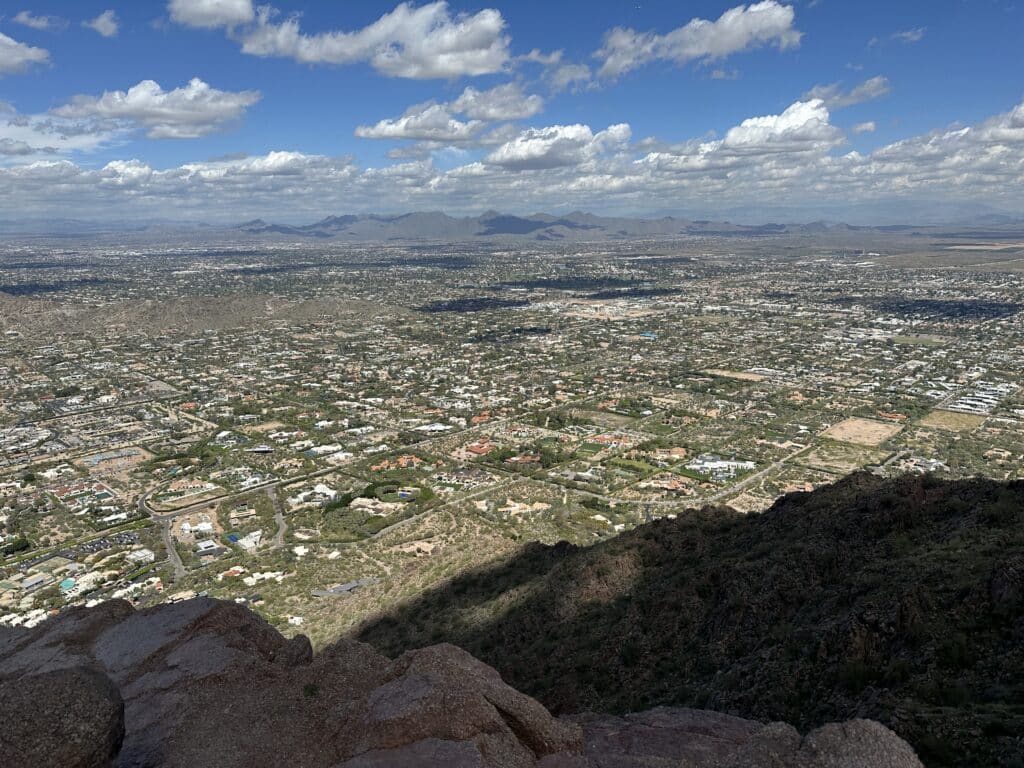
(438, 226)
(435, 226)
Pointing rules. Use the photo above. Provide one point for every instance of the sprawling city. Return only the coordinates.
(489, 384)
(320, 431)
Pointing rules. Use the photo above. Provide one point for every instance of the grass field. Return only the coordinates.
(952, 421)
(605, 419)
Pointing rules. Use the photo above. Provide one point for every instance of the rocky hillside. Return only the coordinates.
(204, 683)
(899, 600)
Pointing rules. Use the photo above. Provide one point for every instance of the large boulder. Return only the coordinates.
(442, 701)
(686, 738)
(207, 683)
(67, 718)
(855, 744)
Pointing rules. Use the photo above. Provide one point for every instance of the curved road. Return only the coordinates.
(282, 526)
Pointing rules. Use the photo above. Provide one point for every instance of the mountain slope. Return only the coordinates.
(437, 226)
(897, 600)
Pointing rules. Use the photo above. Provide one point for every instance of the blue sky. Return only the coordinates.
(300, 108)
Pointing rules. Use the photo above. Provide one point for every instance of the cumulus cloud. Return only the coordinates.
(836, 98)
(431, 122)
(12, 148)
(803, 126)
(106, 24)
(221, 185)
(438, 123)
(193, 110)
(738, 29)
(795, 157)
(803, 130)
(866, 127)
(209, 14)
(558, 146)
(503, 102)
(38, 136)
(419, 43)
(28, 19)
(16, 57)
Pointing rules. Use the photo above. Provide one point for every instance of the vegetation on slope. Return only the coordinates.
(899, 600)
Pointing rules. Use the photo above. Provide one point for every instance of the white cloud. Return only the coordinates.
(28, 19)
(786, 140)
(866, 127)
(193, 110)
(558, 146)
(106, 24)
(206, 189)
(40, 136)
(835, 98)
(566, 76)
(12, 148)
(503, 102)
(914, 35)
(790, 158)
(803, 126)
(537, 56)
(16, 57)
(738, 29)
(437, 123)
(432, 122)
(420, 43)
(208, 14)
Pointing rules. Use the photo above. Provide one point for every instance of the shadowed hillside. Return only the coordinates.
(899, 600)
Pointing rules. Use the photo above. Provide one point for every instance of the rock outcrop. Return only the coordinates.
(669, 737)
(900, 600)
(208, 683)
(67, 718)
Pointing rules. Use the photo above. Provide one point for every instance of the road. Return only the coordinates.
(282, 526)
(752, 478)
(173, 557)
(172, 551)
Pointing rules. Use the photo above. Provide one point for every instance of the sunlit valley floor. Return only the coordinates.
(337, 435)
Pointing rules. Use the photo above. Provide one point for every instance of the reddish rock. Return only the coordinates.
(209, 684)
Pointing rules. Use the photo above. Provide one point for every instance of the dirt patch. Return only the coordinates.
(986, 247)
(862, 431)
(266, 426)
(747, 503)
(842, 458)
(740, 375)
